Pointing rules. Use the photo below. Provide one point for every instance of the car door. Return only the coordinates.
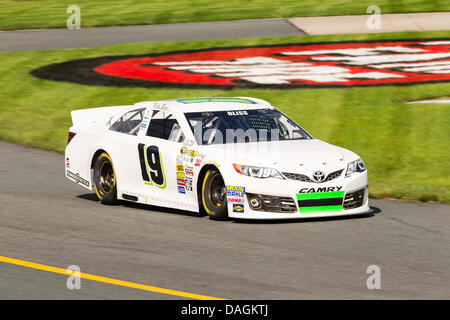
(121, 145)
(162, 180)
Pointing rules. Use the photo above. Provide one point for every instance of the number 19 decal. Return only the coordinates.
(151, 165)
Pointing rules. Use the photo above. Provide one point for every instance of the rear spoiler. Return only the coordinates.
(96, 116)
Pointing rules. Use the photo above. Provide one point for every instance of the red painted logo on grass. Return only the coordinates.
(337, 64)
(331, 64)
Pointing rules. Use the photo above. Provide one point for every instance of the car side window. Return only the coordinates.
(163, 125)
(130, 122)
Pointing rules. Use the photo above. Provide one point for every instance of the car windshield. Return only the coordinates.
(236, 126)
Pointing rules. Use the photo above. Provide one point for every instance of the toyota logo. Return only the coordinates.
(318, 176)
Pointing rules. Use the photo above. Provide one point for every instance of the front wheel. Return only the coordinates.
(105, 179)
(214, 196)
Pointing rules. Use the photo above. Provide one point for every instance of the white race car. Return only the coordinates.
(226, 157)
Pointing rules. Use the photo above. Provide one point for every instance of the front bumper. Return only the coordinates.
(348, 201)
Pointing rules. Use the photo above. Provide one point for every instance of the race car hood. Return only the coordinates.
(303, 155)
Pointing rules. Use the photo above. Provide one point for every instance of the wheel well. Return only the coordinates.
(201, 176)
(95, 156)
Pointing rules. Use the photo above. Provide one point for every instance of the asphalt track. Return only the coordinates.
(46, 219)
(252, 28)
(92, 37)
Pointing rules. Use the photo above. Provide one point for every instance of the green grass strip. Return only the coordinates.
(30, 14)
(320, 195)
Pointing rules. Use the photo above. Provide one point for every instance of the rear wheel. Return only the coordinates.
(214, 196)
(105, 179)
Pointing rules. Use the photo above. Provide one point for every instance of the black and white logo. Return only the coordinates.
(77, 178)
(318, 176)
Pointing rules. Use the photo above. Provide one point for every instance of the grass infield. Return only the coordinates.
(31, 14)
(404, 146)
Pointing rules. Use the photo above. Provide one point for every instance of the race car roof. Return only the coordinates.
(211, 104)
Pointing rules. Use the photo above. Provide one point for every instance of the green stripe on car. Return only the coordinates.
(320, 201)
(199, 100)
(320, 209)
(320, 195)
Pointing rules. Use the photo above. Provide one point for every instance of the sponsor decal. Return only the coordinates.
(324, 189)
(192, 153)
(332, 64)
(238, 208)
(181, 182)
(188, 184)
(189, 171)
(77, 178)
(181, 189)
(181, 175)
(67, 163)
(183, 150)
(186, 159)
(197, 162)
(236, 188)
(237, 113)
(180, 167)
(143, 125)
(235, 193)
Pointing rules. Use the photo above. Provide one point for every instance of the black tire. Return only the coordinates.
(214, 196)
(105, 179)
